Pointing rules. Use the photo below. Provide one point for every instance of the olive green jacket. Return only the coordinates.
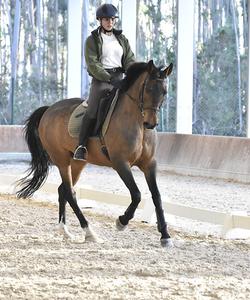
(93, 53)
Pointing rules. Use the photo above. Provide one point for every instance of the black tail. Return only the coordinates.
(40, 162)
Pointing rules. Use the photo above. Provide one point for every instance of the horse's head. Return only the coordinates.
(152, 93)
(145, 85)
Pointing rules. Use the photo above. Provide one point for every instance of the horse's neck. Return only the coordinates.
(128, 109)
(135, 89)
(130, 100)
(127, 119)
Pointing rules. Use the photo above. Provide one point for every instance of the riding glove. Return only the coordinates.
(117, 83)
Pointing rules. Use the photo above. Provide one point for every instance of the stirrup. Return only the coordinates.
(81, 153)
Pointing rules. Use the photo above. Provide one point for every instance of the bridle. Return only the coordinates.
(140, 105)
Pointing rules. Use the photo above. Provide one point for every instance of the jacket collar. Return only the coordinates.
(97, 31)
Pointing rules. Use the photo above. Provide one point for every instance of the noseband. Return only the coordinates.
(141, 98)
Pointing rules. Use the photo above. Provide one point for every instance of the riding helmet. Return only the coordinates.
(106, 11)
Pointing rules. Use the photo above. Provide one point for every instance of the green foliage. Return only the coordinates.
(218, 107)
(153, 42)
(217, 72)
(219, 102)
(39, 80)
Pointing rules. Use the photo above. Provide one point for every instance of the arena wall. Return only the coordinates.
(215, 156)
(12, 139)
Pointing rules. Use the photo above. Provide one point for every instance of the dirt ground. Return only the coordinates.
(37, 263)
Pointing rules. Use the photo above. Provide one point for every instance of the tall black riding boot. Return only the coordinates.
(87, 126)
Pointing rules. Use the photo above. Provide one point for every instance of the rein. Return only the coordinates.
(140, 105)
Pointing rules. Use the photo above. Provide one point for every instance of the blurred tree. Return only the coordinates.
(14, 40)
(33, 49)
(220, 68)
(156, 39)
(33, 60)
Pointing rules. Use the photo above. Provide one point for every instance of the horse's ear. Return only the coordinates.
(166, 72)
(150, 66)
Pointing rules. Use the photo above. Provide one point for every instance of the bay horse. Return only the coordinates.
(130, 140)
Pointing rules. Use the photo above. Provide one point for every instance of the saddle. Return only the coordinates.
(105, 110)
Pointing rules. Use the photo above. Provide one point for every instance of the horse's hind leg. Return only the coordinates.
(67, 194)
(76, 169)
(124, 171)
(62, 204)
(150, 175)
(62, 212)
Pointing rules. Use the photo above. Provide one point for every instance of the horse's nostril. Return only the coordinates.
(148, 125)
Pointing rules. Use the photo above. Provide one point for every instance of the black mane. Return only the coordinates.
(133, 72)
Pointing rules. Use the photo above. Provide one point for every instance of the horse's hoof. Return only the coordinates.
(91, 236)
(93, 239)
(167, 243)
(119, 225)
(63, 230)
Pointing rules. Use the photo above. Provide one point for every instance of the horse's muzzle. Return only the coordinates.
(149, 126)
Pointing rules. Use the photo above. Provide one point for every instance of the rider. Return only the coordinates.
(108, 55)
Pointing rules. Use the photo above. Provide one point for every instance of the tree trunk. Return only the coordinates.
(14, 51)
(237, 49)
(7, 10)
(43, 62)
(26, 42)
(38, 70)
(56, 44)
(245, 23)
(85, 25)
(33, 61)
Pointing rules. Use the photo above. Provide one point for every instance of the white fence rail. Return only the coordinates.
(228, 221)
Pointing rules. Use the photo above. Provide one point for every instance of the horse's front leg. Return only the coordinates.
(124, 171)
(150, 175)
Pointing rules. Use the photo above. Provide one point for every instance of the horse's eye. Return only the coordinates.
(150, 89)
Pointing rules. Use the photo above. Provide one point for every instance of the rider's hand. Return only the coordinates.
(117, 83)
